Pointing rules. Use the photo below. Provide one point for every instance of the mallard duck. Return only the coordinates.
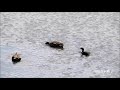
(16, 58)
(84, 53)
(55, 44)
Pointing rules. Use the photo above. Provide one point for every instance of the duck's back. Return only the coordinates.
(56, 42)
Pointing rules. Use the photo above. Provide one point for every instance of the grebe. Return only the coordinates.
(84, 53)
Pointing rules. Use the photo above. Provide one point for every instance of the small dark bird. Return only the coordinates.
(16, 58)
(84, 53)
(55, 44)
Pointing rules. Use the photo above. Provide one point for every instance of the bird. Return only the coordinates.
(55, 44)
(16, 58)
(84, 53)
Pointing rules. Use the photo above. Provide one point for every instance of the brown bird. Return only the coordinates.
(55, 44)
(84, 53)
(16, 58)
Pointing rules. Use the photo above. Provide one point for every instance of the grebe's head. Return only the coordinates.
(82, 49)
(47, 43)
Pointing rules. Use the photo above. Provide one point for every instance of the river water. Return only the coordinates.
(27, 32)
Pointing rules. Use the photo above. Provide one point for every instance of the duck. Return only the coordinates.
(16, 58)
(55, 44)
(84, 53)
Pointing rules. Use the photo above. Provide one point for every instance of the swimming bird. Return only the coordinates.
(16, 58)
(55, 44)
(84, 53)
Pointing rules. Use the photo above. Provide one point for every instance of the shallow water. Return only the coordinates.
(26, 33)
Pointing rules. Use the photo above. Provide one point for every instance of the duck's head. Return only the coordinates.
(47, 43)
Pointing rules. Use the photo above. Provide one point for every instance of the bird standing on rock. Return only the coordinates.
(55, 44)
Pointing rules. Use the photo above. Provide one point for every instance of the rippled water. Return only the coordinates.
(26, 33)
